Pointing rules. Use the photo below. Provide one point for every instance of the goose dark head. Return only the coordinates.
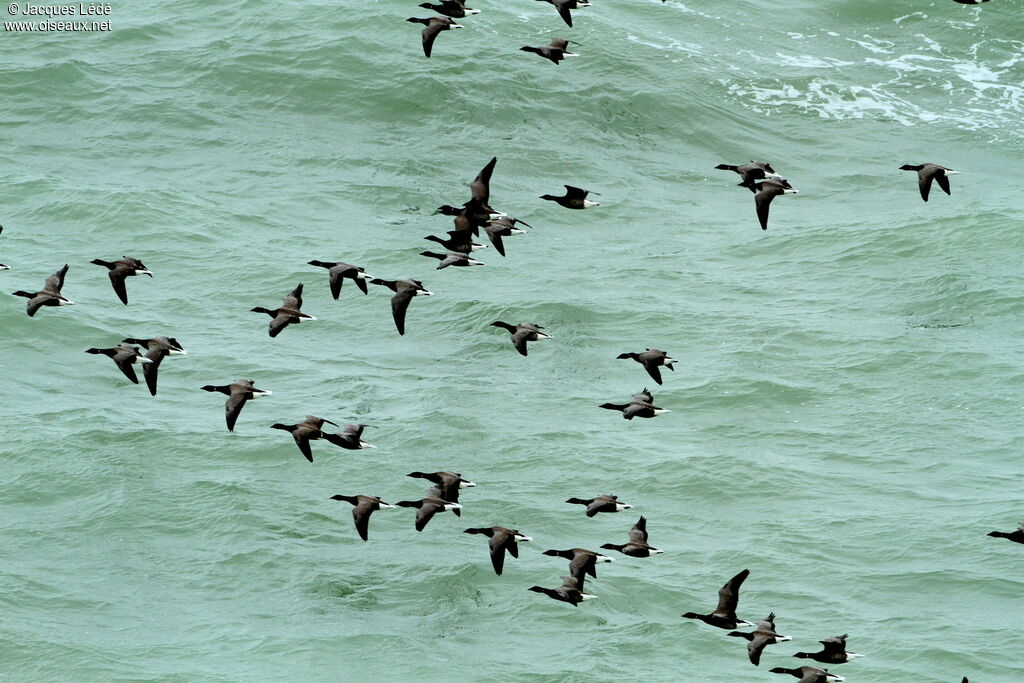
(548, 197)
(23, 293)
(910, 167)
(260, 309)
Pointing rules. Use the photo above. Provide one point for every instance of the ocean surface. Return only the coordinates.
(847, 413)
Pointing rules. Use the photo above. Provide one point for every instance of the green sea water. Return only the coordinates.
(846, 414)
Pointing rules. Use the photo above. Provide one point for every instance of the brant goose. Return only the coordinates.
(452, 258)
(49, 295)
(288, 313)
(308, 430)
(833, 651)
(761, 637)
(1015, 536)
(431, 27)
(926, 173)
(642, 405)
(581, 562)
(607, 503)
(769, 190)
(724, 615)
(446, 486)
(239, 391)
(637, 545)
(522, 333)
(808, 674)
(563, 7)
(338, 271)
(124, 357)
(404, 290)
(574, 198)
(501, 539)
(451, 8)
(752, 172)
(119, 270)
(471, 217)
(652, 359)
(428, 507)
(569, 592)
(459, 241)
(157, 349)
(364, 506)
(555, 51)
(503, 227)
(349, 438)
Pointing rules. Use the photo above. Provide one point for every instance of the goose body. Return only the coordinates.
(555, 51)
(606, 503)
(501, 540)
(926, 173)
(808, 674)
(569, 592)
(349, 438)
(289, 313)
(762, 636)
(121, 269)
(362, 508)
(833, 651)
(751, 173)
(581, 562)
(49, 295)
(157, 349)
(124, 357)
(642, 405)
(1017, 536)
(766, 192)
(637, 546)
(427, 508)
(451, 8)
(724, 616)
(337, 271)
(404, 291)
(574, 198)
(302, 433)
(563, 7)
(522, 333)
(452, 258)
(652, 360)
(238, 392)
(431, 27)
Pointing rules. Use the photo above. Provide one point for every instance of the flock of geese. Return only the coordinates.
(443, 495)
